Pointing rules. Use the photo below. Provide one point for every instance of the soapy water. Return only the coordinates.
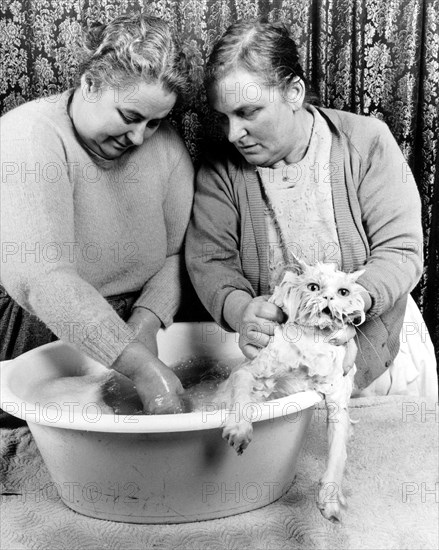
(200, 390)
(200, 378)
(114, 393)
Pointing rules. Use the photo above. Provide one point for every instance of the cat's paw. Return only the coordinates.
(238, 435)
(330, 501)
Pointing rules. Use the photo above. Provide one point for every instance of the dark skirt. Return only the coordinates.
(21, 332)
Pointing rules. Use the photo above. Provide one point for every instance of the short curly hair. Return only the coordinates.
(130, 48)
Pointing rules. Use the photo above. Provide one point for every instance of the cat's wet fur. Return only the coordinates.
(318, 301)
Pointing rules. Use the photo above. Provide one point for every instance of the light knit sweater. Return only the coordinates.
(76, 228)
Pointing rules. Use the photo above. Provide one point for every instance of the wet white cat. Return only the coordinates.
(319, 301)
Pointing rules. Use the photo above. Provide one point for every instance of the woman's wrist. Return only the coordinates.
(142, 319)
(234, 306)
(133, 359)
(145, 325)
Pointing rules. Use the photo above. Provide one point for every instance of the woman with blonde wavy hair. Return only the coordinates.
(95, 203)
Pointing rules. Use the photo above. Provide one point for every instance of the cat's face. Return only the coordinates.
(322, 296)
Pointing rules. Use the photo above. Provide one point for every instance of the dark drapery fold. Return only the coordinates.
(372, 57)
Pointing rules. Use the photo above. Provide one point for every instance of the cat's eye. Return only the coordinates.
(313, 287)
(343, 292)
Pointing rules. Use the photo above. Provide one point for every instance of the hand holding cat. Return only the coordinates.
(258, 322)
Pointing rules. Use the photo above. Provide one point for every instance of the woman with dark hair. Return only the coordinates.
(302, 182)
(95, 203)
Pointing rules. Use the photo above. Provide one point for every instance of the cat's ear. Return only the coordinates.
(288, 277)
(282, 288)
(297, 266)
(356, 274)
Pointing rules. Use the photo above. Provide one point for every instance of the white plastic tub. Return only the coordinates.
(157, 469)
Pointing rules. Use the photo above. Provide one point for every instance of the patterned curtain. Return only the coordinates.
(372, 57)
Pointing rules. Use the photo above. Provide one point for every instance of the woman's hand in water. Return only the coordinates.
(158, 387)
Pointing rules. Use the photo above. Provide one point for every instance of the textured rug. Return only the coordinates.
(391, 485)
